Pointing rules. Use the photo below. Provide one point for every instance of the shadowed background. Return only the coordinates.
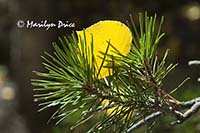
(20, 50)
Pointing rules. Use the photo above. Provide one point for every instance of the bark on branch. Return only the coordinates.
(193, 105)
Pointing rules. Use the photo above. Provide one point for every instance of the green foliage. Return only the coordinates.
(133, 89)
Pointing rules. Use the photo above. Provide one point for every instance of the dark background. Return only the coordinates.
(20, 50)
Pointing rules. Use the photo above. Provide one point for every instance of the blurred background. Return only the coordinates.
(20, 50)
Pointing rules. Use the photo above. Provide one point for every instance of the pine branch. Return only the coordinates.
(194, 62)
(188, 104)
(193, 105)
(122, 87)
(144, 121)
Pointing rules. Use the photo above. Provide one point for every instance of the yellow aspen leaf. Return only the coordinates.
(104, 32)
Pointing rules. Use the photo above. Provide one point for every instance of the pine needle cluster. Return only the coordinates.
(133, 89)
